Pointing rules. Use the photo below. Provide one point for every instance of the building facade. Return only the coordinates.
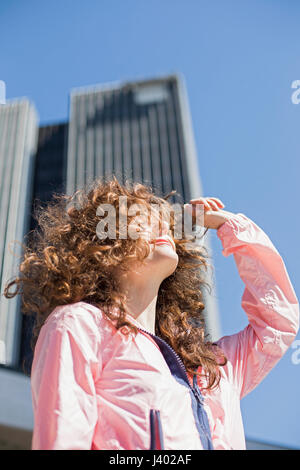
(18, 141)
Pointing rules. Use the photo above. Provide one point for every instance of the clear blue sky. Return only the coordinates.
(239, 59)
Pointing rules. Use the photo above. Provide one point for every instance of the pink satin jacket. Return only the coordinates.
(96, 388)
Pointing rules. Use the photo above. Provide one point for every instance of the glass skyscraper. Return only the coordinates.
(141, 130)
(18, 140)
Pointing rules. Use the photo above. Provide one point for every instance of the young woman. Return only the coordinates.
(121, 359)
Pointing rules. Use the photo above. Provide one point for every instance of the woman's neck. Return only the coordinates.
(141, 300)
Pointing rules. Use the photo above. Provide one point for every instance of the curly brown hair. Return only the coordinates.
(64, 262)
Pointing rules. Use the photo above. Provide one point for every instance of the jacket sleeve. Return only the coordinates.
(65, 368)
(269, 301)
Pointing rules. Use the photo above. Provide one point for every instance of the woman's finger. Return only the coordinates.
(218, 201)
(213, 204)
(209, 202)
(200, 200)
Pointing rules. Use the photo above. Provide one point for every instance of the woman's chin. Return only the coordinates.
(167, 258)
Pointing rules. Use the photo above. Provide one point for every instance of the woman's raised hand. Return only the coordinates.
(214, 215)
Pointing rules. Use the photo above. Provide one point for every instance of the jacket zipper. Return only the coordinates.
(195, 391)
(182, 366)
(157, 442)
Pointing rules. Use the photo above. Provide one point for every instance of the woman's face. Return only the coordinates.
(163, 258)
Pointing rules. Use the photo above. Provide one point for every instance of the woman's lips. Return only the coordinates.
(164, 241)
